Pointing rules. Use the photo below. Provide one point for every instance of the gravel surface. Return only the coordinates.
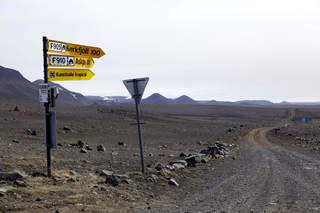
(265, 178)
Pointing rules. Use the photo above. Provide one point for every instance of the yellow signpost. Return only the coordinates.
(70, 61)
(74, 49)
(67, 57)
(60, 74)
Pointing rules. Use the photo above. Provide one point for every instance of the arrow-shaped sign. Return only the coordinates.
(74, 49)
(69, 74)
(70, 61)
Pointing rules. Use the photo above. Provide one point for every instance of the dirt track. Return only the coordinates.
(261, 175)
(265, 178)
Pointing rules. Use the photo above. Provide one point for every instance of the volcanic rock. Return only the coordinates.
(101, 148)
(173, 182)
(153, 178)
(104, 172)
(15, 141)
(66, 128)
(165, 173)
(12, 176)
(3, 191)
(73, 173)
(83, 150)
(16, 109)
(20, 183)
(113, 180)
(31, 132)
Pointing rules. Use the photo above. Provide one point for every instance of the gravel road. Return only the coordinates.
(265, 178)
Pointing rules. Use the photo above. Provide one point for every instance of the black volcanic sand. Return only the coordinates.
(168, 131)
(303, 135)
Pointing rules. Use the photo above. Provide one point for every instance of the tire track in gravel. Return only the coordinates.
(265, 178)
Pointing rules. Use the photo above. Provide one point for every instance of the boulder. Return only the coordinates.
(3, 191)
(120, 143)
(113, 180)
(165, 173)
(15, 141)
(81, 144)
(66, 128)
(183, 162)
(126, 181)
(20, 183)
(31, 132)
(38, 174)
(104, 172)
(153, 178)
(173, 182)
(101, 148)
(206, 159)
(72, 179)
(123, 177)
(211, 150)
(170, 167)
(197, 158)
(16, 109)
(220, 156)
(12, 176)
(159, 167)
(83, 150)
(73, 173)
(178, 166)
(182, 155)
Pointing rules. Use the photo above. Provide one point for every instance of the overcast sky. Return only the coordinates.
(214, 49)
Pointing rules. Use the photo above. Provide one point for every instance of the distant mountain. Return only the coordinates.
(214, 102)
(254, 102)
(156, 98)
(67, 97)
(15, 88)
(184, 100)
(94, 98)
(300, 103)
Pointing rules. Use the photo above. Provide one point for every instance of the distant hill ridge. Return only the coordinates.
(17, 89)
(157, 98)
(184, 100)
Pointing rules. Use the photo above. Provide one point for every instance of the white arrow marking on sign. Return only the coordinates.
(141, 83)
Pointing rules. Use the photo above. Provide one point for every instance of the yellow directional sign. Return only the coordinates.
(74, 49)
(59, 74)
(70, 61)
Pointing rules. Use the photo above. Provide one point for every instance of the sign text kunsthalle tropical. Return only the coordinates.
(56, 74)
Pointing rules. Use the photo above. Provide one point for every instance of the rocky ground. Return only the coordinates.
(96, 166)
(302, 135)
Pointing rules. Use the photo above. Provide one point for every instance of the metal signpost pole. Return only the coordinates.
(46, 108)
(137, 100)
